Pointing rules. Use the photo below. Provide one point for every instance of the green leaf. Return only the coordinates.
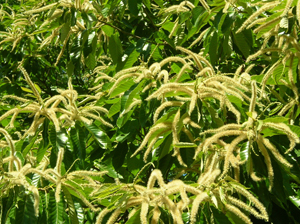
(77, 139)
(115, 108)
(31, 143)
(134, 93)
(184, 17)
(56, 210)
(219, 217)
(100, 136)
(115, 48)
(119, 155)
(133, 7)
(240, 41)
(213, 49)
(161, 34)
(276, 119)
(29, 213)
(72, 211)
(131, 59)
(111, 171)
(185, 145)
(147, 3)
(122, 87)
(108, 30)
(70, 68)
(58, 139)
(135, 218)
(44, 144)
(160, 3)
(295, 200)
(26, 90)
(244, 152)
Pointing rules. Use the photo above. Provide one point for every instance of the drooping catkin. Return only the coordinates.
(230, 150)
(264, 8)
(170, 87)
(266, 24)
(253, 97)
(101, 215)
(238, 213)
(275, 152)
(149, 134)
(199, 38)
(195, 206)
(156, 215)
(63, 47)
(298, 12)
(30, 83)
(244, 206)
(112, 219)
(192, 54)
(163, 106)
(156, 175)
(173, 209)
(268, 162)
(47, 7)
(172, 59)
(144, 212)
(268, 75)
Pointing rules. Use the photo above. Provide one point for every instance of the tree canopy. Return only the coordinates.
(149, 111)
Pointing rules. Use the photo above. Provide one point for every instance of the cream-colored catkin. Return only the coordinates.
(170, 87)
(163, 106)
(174, 27)
(275, 152)
(101, 215)
(36, 197)
(209, 141)
(172, 59)
(47, 7)
(286, 8)
(257, 21)
(63, 48)
(86, 114)
(268, 162)
(238, 213)
(149, 134)
(262, 51)
(156, 215)
(55, 99)
(268, 75)
(264, 8)
(156, 175)
(266, 24)
(173, 209)
(284, 128)
(17, 98)
(223, 128)
(150, 146)
(298, 12)
(11, 146)
(241, 190)
(244, 206)
(192, 54)
(112, 219)
(144, 212)
(182, 70)
(30, 83)
(199, 38)
(253, 97)
(230, 149)
(195, 206)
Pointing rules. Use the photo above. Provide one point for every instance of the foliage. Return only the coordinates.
(146, 111)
